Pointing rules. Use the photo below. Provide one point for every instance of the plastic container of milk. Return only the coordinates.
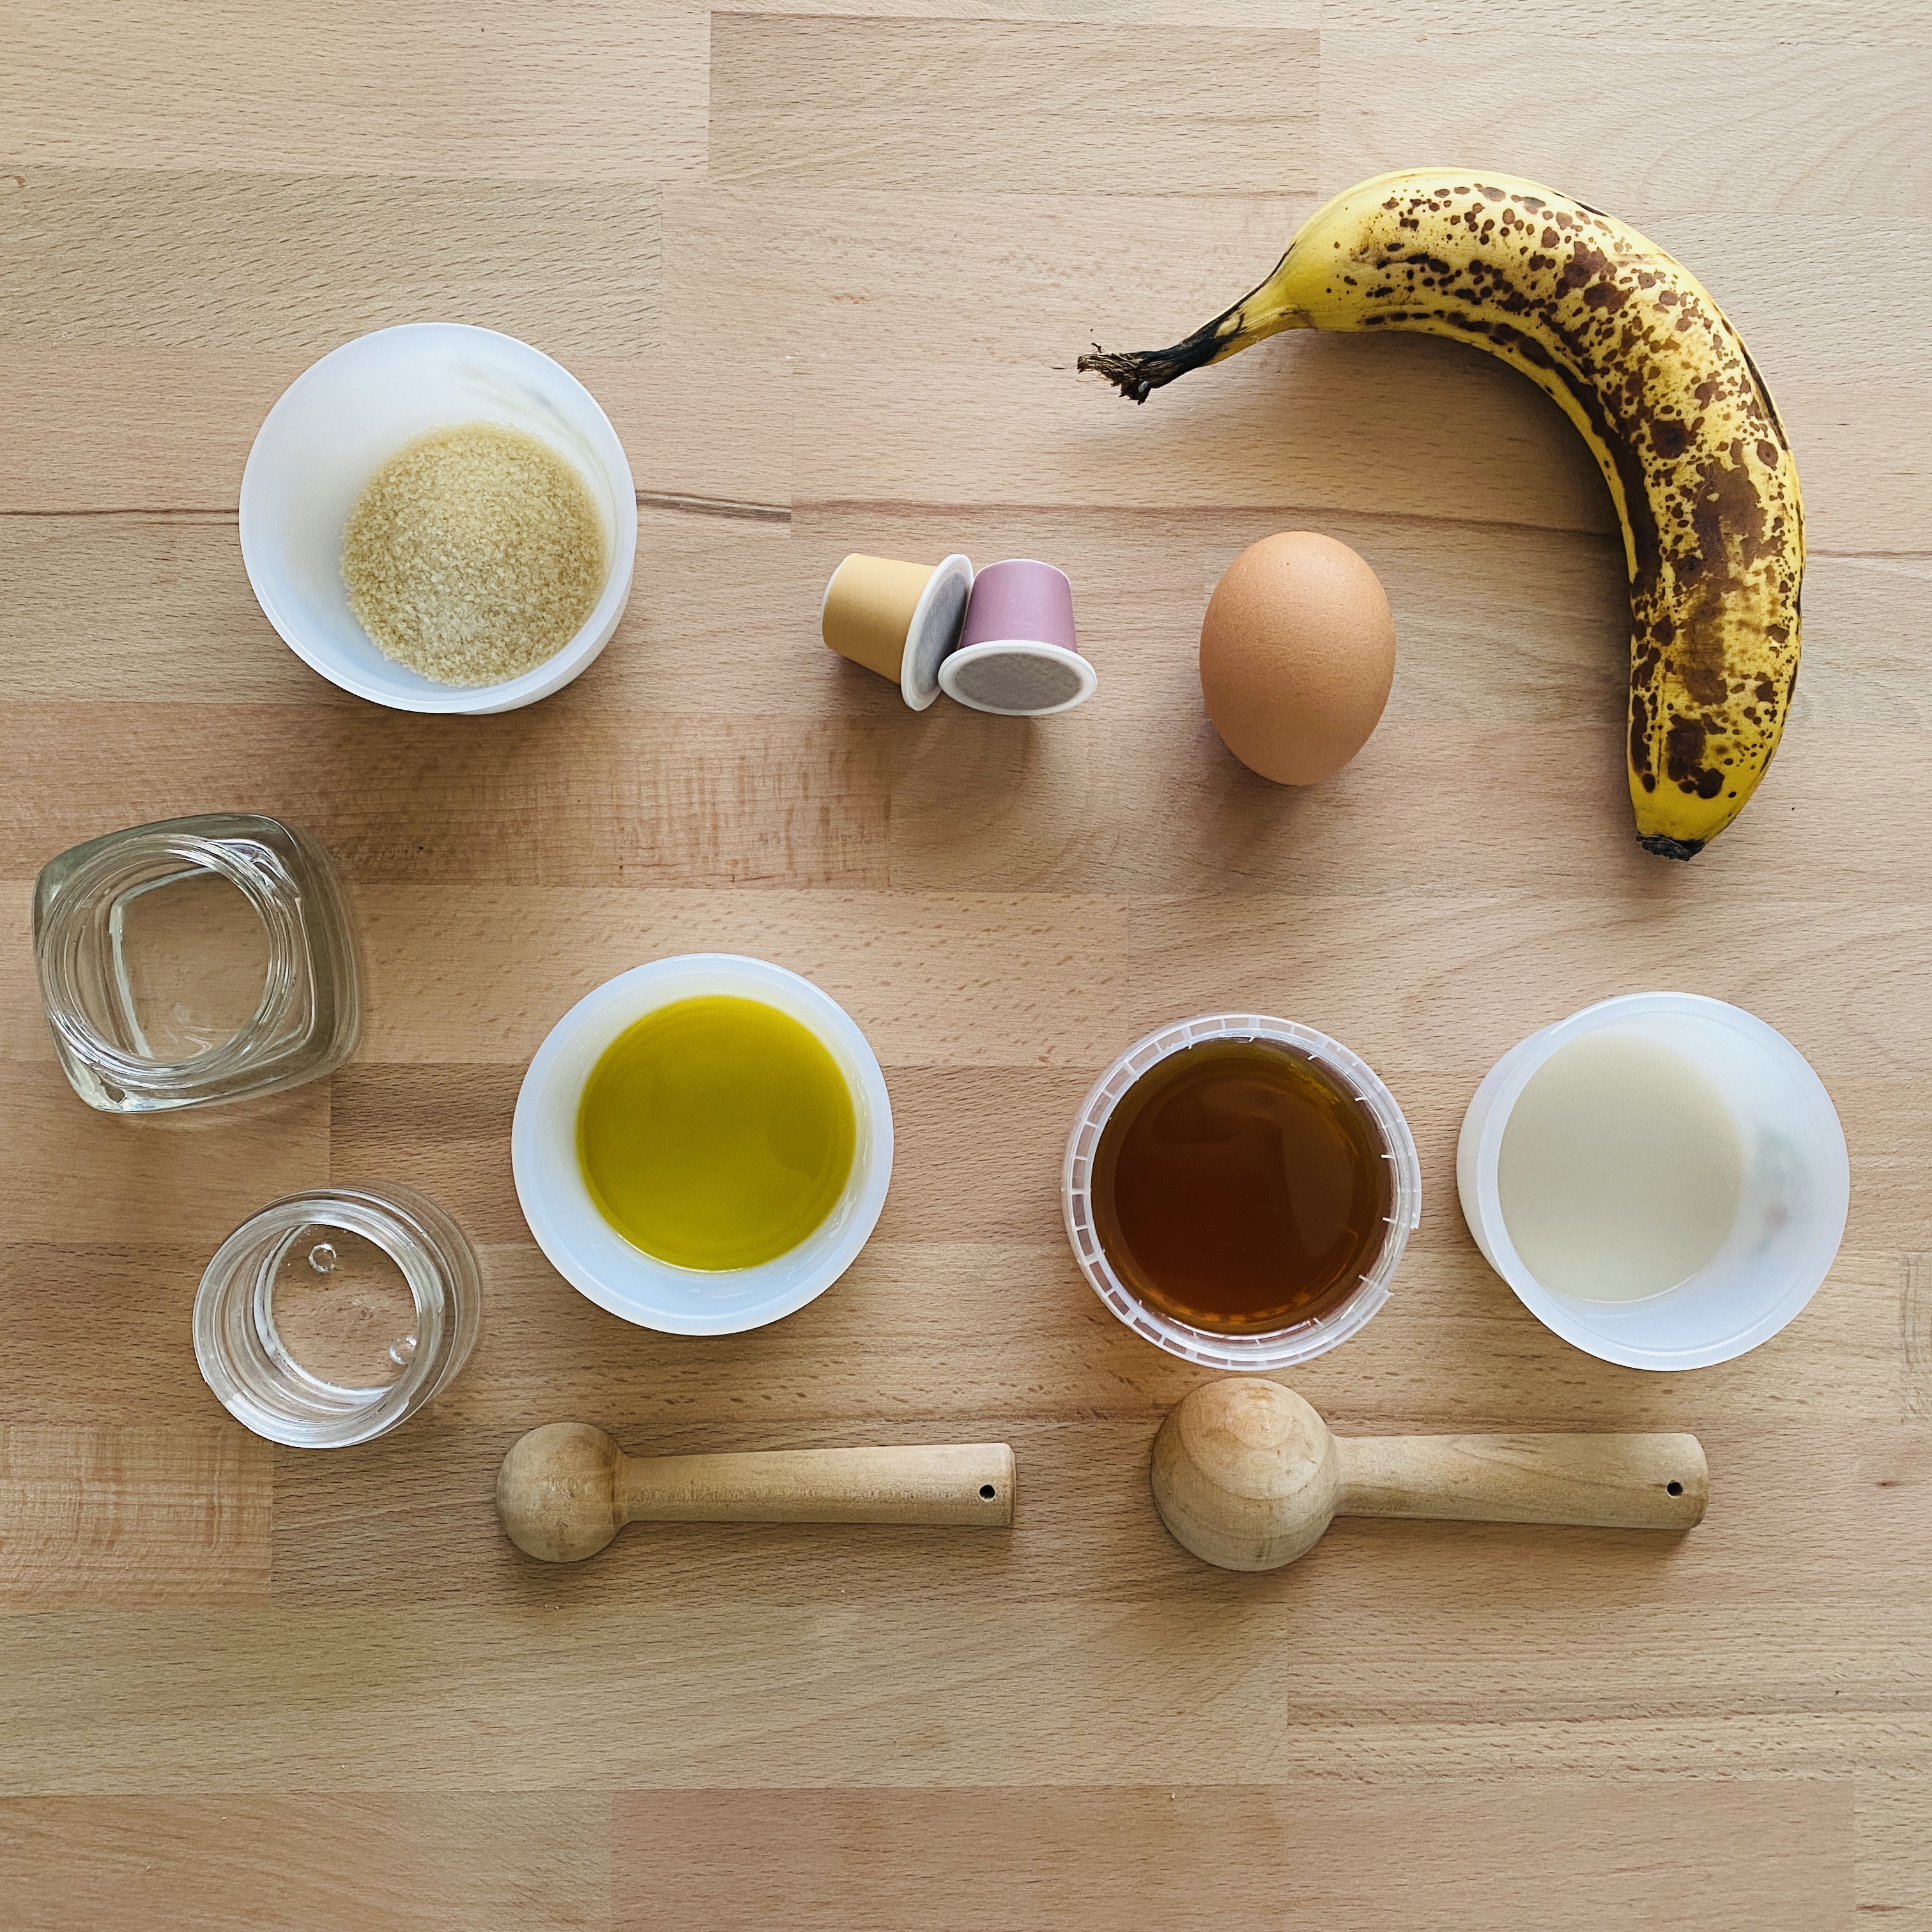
(1661, 1178)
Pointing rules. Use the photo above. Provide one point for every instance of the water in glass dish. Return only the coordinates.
(340, 1312)
(190, 963)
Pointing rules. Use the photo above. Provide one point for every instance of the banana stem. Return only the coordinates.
(1137, 373)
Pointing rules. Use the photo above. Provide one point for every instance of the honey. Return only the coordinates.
(1239, 1188)
(716, 1133)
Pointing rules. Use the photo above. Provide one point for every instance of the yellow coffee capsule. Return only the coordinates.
(901, 620)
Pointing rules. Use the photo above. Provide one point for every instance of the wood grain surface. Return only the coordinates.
(828, 268)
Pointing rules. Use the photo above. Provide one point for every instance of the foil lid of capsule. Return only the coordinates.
(901, 620)
(1017, 657)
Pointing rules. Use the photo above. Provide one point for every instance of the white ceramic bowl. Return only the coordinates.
(1791, 1215)
(590, 1254)
(335, 426)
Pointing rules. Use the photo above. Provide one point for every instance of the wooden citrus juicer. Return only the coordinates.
(1246, 1475)
(565, 1489)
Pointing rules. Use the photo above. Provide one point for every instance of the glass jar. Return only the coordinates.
(195, 960)
(332, 1316)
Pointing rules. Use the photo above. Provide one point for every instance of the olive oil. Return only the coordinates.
(716, 1133)
(1238, 1187)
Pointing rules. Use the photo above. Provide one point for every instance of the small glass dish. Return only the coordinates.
(1278, 1347)
(195, 960)
(331, 1317)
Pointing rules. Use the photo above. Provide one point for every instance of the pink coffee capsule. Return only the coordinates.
(1016, 655)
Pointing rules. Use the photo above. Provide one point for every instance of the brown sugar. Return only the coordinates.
(473, 554)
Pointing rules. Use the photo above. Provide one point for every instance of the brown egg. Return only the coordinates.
(1297, 653)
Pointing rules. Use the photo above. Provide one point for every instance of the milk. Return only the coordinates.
(1620, 1169)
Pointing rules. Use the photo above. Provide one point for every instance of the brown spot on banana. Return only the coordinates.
(1656, 380)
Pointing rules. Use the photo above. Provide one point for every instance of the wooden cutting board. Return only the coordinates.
(829, 275)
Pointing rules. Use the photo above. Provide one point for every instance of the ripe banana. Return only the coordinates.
(1644, 363)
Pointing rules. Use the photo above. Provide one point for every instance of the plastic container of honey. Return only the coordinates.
(1366, 1108)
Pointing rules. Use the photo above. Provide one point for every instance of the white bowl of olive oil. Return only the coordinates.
(702, 1144)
